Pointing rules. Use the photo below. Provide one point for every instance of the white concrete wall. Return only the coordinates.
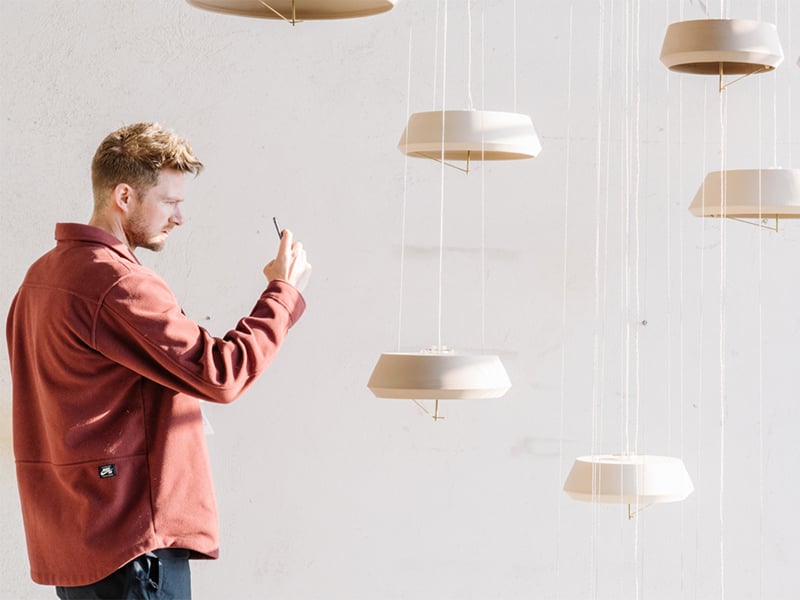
(328, 493)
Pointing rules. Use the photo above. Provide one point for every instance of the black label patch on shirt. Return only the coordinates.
(106, 471)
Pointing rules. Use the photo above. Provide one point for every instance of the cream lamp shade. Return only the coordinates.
(301, 10)
(443, 375)
(628, 479)
(475, 134)
(749, 193)
(733, 46)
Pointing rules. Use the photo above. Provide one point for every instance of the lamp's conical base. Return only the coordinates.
(304, 10)
(438, 376)
(721, 46)
(628, 479)
(470, 135)
(749, 193)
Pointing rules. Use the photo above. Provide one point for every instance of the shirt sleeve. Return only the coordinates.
(140, 325)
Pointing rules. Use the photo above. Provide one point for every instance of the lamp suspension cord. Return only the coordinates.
(514, 51)
(483, 185)
(681, 331)
(668, 190)
(436, 55)
(633, 26)
(786, 76)
(565, 255)
(442, 165)
(761, 455)
(701, 334)
(605, 228)
(760, 361)
(596, 350)
(637, 220)
(722, 250)
(681, 300)
(625, 244)
(775, 105)
(470, 104)
(723, 116)
(405, 196)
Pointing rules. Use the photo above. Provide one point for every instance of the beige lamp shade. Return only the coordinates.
(438, 376)
(628, 479)
(304, 10)
(736, 46)
(749, 193)
(470, 134)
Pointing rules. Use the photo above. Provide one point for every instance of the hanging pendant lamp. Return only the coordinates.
(721, 47)
(470, 135)
(297, 10)
(749, 193)
(438, 375)
(628, 479)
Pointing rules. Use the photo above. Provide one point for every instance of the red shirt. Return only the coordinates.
(107, 375)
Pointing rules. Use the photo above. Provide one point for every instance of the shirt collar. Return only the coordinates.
(77, 232)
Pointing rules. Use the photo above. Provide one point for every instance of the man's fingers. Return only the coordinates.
(286, 242)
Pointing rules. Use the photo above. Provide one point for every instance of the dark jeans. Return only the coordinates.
(157, 575)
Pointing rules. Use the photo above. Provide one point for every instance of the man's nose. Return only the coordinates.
(177, 217)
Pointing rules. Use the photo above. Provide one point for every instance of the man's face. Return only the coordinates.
(155, 211)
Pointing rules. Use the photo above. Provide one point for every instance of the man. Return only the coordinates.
(107, 375)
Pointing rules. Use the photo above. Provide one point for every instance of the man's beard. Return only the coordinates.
(154, 245)
(140, 238)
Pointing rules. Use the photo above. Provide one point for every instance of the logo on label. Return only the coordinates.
(106, 471)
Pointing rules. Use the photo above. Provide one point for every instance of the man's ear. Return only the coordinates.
(123, 195)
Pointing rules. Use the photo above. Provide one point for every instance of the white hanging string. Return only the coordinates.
(637, 270)
(609, 151)
(698, 404)
(404, 203)
(436, 55)
(442, 165)
(668, 233)
(565, 255)
(681, 329)
(682, 297)
(625, 255)
(630, 252)
(760, 361)
(514, 52)
(593, 554)
(470, 105)
(701, 336)
(761, 474)
(789, 104)
(723, 116)
(636, 100)
(483, 184)
(723, 108)
(668, 191)
(775, 114)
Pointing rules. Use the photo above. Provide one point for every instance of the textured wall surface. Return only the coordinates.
(625, 323)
